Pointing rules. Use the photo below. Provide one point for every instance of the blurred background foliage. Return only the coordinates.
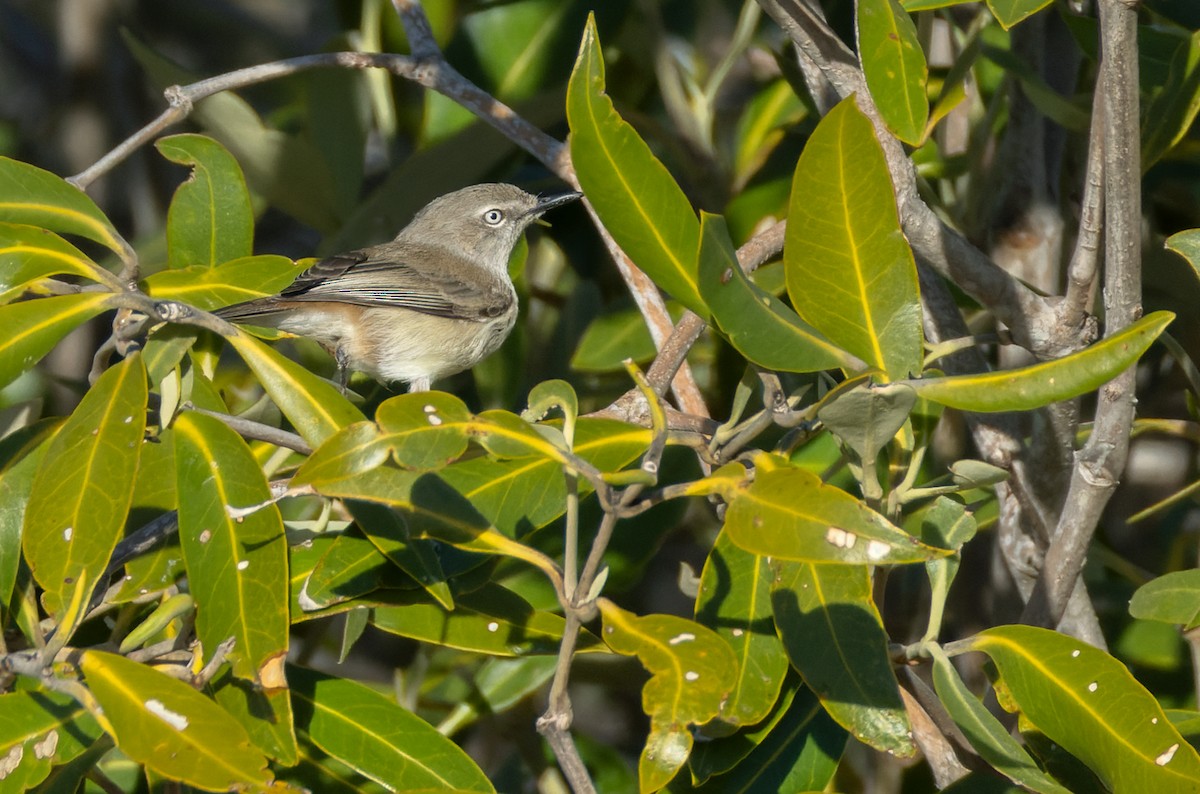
(337, 160)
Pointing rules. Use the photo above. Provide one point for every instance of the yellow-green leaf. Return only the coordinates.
(34, 327)
(894, 66)
(39, 198)
(237, 567)
(83, 489)
(1010, 12)
(691, 669)
(208, 287)
(29, 253)
(210, 220)
(171, 728)
(1088, 703)
(1049, 381)
(314, 406)
(850, 272)
(633, 193)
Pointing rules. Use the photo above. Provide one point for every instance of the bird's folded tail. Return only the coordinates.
(261, 311)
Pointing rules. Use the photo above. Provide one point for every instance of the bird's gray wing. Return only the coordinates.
(371, 278)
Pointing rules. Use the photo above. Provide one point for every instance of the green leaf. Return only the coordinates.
(34, 327)
(208, 287)
(835, 639)
(1010, 12)
(524, 494)
(610, 339)
(82, 492)
(426, 430)
(210, 220)
(378, 738)
(850, 272)
(761, 126)
(1089, 704)
(314, 406)
(171, 728)
(798, 752)
(21, 454)
(29, 253)
(761, 327)
(39, 730)
(417, 557)
(867, 419)
(1171, 598)
(894, 66)
(1049, 381)
(520, 45)
(735, 602)
(237, 567)
(691, 669)
(350, 567)
(986, 734)
(788, 513)
(1171, 112)
(266, 715)
(39, 198)
(635, 196)
(1187, 245)
(491, 620)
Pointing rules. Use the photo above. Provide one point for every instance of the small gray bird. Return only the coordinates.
(434, 301)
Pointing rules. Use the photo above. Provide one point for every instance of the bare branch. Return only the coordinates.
(1099, 464)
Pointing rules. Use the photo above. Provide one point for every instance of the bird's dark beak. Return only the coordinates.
(547, 203)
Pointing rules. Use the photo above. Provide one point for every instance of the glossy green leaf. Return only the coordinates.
(520, 495)
(789, 514)
(210, 220)
(1049, 381)
(691, 669)
(799, 752)
(314, 406)
(38, 730)
(1187, 245)
(29, 253)
(426, 430)
(761, 327)
(237, 567)
(490, 620)
(497, 686)
(36, 326)
(170, 727)
(986, 734)
(208, 287)
(735, 602)
(433, 510)
(265, 714)
(834, 637)
(82, 492)
(1171, 598)
(1173, 108)
(21, 454)
(1010, 12)
(850, 272)
(350, 567)
(894, 66)
(378, 738)
(1088, 703)
(633, 193)
(39, 198)
(356, 448)
(388, 530)
(522, 44)
(610, 339)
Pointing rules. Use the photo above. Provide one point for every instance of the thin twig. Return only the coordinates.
(248, 428)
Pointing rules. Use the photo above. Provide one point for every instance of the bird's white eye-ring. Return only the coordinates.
(493, 217)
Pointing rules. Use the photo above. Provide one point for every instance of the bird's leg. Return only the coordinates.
(419, 384)
(343, 368)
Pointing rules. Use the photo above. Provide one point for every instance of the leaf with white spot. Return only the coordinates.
(171, 728)
(1089, 704)
(692, 669)
(788, 513)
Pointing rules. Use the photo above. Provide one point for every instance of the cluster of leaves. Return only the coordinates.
(441, 512)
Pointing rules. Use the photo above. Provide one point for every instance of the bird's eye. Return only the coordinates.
(493, 217)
